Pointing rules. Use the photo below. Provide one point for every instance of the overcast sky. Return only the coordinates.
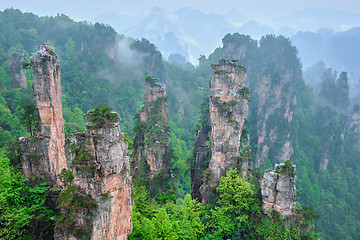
(261, 10)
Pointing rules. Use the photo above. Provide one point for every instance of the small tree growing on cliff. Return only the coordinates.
(29, 117)
(101, 114)
(287, 168)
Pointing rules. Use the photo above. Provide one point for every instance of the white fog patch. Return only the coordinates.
(126, 55)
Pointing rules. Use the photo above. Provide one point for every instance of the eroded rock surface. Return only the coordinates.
(201, 157)
(99, 160)
(104, 174)
(49, 146)
(278, 190)
(271, 81)
(151, 140)
(228, 106)
(276, 106)
(17, 73)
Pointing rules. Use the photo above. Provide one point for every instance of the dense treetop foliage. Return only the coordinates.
(100, 66)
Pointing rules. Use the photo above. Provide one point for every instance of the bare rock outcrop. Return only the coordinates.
(276, 106)
(271, 80)
(326, 117)
(201, 157)
(228, 107)
(100, 163)
(151, 142)
(49, 146)
(278, 190)
(17, 73)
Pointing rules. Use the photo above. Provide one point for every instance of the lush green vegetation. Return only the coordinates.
(235, 214)
(153, 134)
(287, 169)
(72, 203)
(93, 73)
(101, 114)
(23, 210)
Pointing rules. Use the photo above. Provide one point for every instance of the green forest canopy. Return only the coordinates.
(90, 76)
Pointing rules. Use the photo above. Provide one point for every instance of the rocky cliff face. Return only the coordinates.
(151, 140)
(273, 70)
(335, 91)
(98, 163)
(328, 120)
(276, 104)
(326, 117)
(49, 146)
(202, 153)
(278, 190)
(153, 96)
(17, 73)
(228, 108)
(99, 160)
(152, 63)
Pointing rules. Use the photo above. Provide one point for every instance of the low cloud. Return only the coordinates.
(127, 55)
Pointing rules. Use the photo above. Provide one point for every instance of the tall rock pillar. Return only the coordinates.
(17, 73)
(278, 189)
(100, 163)
(48, 149)
(47, 96)
(228, 106)
(202, 152)
(271, 80)
(151, 140)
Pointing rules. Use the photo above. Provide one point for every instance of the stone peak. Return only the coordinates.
(102, 115)
(227, 66)
(45, 52)
(286, 168)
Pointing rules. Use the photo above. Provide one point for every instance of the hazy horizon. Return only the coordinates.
(264, 12)
(182, 26)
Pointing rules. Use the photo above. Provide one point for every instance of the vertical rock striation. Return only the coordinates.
(153, 94)
(49, 147)
(276, 106)
(273, 71)
(278, 190)
(228, 107)
(17, 73)
(100, 164)
(202, 154)
(47, 96)
(325, 123)
(151, 140)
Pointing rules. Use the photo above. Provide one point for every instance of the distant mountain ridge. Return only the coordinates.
(184, 31)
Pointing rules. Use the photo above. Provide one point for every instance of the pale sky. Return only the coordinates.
(262, 10)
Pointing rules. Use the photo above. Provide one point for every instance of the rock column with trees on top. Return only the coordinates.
(228, 107)
(44, 154)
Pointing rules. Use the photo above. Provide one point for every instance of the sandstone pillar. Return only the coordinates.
(48, 148)
(278, 190)
(228, 106)
(100, 164)
(151, 140)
